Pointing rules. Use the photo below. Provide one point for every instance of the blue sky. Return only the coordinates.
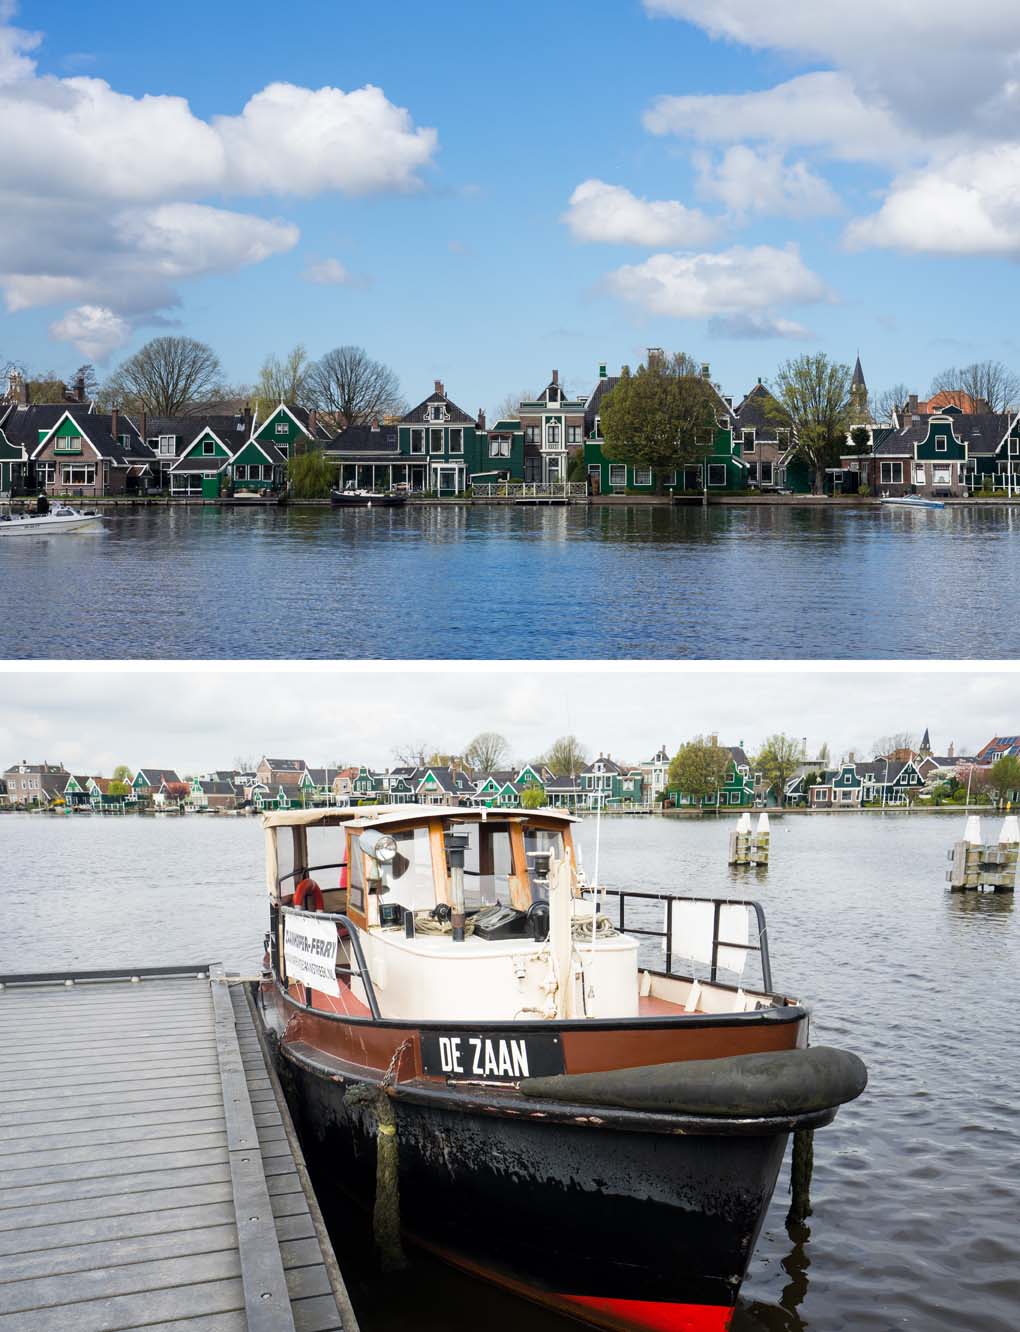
(861, 209)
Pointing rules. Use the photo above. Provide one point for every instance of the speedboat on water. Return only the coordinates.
(61, 518)
(911, 502)
(476, 1050)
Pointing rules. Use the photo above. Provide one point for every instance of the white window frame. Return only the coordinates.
(418, 441)
(1013, 447)
(552, 433)
(67, 444)
(208, 448)
(575, 434)
(919, 474)
(436, 441)
(941, 444)
(499, 447)
(67, 471)
(766, 480)
(167, 446)
(642, 476)
(456, 438)
(531, 434)
(614, 474)
(892, 479)
(47, 472)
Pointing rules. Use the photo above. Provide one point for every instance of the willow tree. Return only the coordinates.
(658, 416)
(815, 393)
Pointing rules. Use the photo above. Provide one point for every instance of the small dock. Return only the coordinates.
(149, 1171)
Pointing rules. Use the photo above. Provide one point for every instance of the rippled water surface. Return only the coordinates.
(510, 582)
(917, 1185)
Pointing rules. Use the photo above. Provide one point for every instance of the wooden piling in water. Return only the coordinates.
(976, 865)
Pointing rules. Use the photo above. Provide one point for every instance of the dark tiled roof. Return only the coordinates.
(188, 428)
(981, 432)
(754, 413)
(739, 757)
(154, 776)
(21, 425)
(323, 776)
(286, 765)
(217, 788)
(362, 439)
(199, 463)
(419, 415)
(97, 428)
(594, 407)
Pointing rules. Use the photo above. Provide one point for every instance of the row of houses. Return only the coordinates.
(287, 783)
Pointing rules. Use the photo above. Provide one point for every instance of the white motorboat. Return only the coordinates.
(912, 502)
(61, 518)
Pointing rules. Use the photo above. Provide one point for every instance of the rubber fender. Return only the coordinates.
(781, 1082)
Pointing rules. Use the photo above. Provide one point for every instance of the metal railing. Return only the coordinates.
(342, 969)
(761, 947)
(530, 490)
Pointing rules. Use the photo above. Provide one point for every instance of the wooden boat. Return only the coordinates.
(450, 1004)
(911, 502)
(61, 518)
(371, 499)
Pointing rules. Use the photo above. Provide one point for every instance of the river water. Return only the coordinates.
(513, 582)
(917, 1185)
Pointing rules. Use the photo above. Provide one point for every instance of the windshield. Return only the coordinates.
(408, 879)
(536, 840)
(488, 863)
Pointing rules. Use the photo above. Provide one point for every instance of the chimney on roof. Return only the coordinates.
(556, 377)
(439, 388)
(481, 418)
(115, 422)
(313, 422)
(912, 404)
(850, 757)
(79, 387)
(143, 424)
(247, 420)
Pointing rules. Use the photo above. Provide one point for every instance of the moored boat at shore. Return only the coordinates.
(911, 502)
(450, 1003)
(61, 518)
(352, 498)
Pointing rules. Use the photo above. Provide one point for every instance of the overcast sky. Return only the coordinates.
(197, 719)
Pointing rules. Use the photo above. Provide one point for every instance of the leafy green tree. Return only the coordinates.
(815, 393)
(119, 788)
(699, 768)
(532, 797)
(778, 761)
(1004, 778)
(566, 756)
(660, 415)
(310, 475)
(122, 773)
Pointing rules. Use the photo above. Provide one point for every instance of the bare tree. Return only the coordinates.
(353, 388)
(167, 377)
(510, 408)
(566, 756)
(283, 380)
(413, 754)
(988, 381)
(487, 751)
(888, 744)
(888, 401)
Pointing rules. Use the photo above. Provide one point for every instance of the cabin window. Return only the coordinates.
(356, 877)
(325, 849)
(285, 859)
(541, 839)
(408, 879)
(488, 863)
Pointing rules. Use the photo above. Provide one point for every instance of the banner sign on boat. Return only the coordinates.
(490, 1056)
(309, 950)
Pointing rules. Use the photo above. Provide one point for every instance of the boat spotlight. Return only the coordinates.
(379, 846)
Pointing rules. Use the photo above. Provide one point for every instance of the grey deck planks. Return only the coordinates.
(146, 1172)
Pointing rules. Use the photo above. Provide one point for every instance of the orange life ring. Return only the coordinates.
(308, 888)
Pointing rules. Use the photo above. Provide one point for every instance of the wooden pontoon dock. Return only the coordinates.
(150, 1172)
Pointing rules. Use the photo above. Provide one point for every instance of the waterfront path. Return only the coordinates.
(148, 1168)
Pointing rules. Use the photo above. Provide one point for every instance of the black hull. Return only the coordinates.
(339, 500)
(578, 1215)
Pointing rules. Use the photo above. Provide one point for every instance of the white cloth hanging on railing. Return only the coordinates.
(692, 933)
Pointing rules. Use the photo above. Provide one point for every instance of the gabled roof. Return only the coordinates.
(285, 765)
(21, 425)
(323, 776)
(738, 755)
(229, 429)
(96, 428)
(420, 415)
(360, 439)
(756, 412)
(608, 765)
(981, 432)
(302, 418)
(217, 788)
(156, 776)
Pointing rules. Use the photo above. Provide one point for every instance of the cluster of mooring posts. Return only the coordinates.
(982, 866)
(149, 1170)
(747, 847)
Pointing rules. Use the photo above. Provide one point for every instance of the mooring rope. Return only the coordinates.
(801, 1166)
(375, 1100)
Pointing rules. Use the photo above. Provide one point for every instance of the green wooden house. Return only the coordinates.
(201, 470)
(604, 783)
(441, 444)
(736, 792)
(719, 468)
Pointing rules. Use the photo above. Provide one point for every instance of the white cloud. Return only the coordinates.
(747, 180)
(821, 110)
(328, 273)
(94, 329)
(102, 194)
(737, 281)
(966, 205)
(755, 327)
(185, 240)
(611, 214)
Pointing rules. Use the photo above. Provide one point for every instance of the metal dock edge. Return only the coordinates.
(149, 1172)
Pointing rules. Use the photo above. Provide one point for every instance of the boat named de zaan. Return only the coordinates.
(599, 1135)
